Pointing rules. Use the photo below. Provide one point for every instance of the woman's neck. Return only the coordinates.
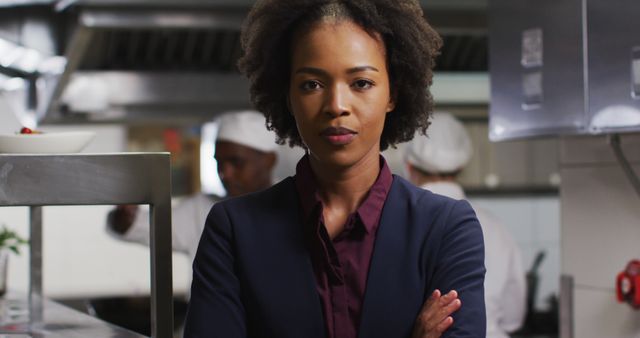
(343, 189)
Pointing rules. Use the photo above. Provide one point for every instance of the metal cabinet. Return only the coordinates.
(129, 178)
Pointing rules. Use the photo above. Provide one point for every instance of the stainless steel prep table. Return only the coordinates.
(94, 179)
(59, 322)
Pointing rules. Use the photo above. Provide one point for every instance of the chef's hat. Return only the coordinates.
(446, 148)
(247, 128)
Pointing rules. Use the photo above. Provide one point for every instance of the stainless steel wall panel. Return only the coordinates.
(600, 229)
(597, 316)
(600, 234)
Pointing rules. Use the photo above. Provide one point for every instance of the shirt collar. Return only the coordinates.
(369, 211)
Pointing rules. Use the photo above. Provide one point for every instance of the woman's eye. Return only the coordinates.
(363, 84)
(310, 85)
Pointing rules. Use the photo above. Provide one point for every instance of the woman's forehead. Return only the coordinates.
(337, 39)
(331, 21)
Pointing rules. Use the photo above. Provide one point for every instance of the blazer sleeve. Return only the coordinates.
(461, 267)
(215, 308)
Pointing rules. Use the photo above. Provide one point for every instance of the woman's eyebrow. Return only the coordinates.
(318, 71)
(361, 69)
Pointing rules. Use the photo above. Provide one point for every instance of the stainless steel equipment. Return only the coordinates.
(126, 61)
(130, 178)
(563, 67)
(60, 322)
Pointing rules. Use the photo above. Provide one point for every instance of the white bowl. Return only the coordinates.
(46, 143)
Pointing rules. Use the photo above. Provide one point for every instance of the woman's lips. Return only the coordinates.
(338, 135)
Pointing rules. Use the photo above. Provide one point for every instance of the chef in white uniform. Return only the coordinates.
(433, 163)
(246, 155)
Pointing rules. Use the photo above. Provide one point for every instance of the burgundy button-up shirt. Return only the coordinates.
(341, 265)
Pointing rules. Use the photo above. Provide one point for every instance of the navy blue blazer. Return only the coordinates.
(252, 275)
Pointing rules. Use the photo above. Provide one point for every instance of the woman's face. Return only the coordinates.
(339, 92)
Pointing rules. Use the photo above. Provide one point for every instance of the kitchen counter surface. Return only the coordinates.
(57, 321)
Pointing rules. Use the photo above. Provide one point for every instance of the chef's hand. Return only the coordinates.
(435, 316)
(122, 217)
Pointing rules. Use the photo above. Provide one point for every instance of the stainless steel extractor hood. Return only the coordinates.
(139, 60)
(564, 67)
(126, 60)
(149, 59)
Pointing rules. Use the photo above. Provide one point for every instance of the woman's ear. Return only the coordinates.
(391, 106)
(392, 102)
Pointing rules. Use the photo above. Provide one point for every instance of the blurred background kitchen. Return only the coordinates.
(539, 88)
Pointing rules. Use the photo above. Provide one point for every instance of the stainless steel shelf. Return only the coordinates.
(94, 179)
(59, 321)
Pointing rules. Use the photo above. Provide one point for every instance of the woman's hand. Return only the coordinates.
(435, 315)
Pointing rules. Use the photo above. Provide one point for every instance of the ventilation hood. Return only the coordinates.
(564, 67)
(139, 60)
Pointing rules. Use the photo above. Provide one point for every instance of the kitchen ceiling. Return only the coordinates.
(218, 50)
(157, 40)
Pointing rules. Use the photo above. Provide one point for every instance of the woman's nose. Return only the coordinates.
(338, 101)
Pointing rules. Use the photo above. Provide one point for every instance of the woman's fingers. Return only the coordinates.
(453, 294)
(442, 315)
(435, 315)
(435, 296)
(442, 307)
(421, 327)
(448, 309)
(436, 332)
(444, 325)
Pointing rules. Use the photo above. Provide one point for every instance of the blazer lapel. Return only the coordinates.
(392, 284)
(294, 273)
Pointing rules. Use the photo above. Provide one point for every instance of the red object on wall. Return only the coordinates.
(628, 284)
(172, 141)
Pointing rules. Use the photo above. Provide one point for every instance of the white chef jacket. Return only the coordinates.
(187, 222)
(505, 283)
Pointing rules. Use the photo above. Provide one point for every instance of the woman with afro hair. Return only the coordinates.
(343, 249)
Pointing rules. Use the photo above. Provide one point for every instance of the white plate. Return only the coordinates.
(47, 143)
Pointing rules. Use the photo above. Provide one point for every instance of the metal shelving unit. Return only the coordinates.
(92, 179)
